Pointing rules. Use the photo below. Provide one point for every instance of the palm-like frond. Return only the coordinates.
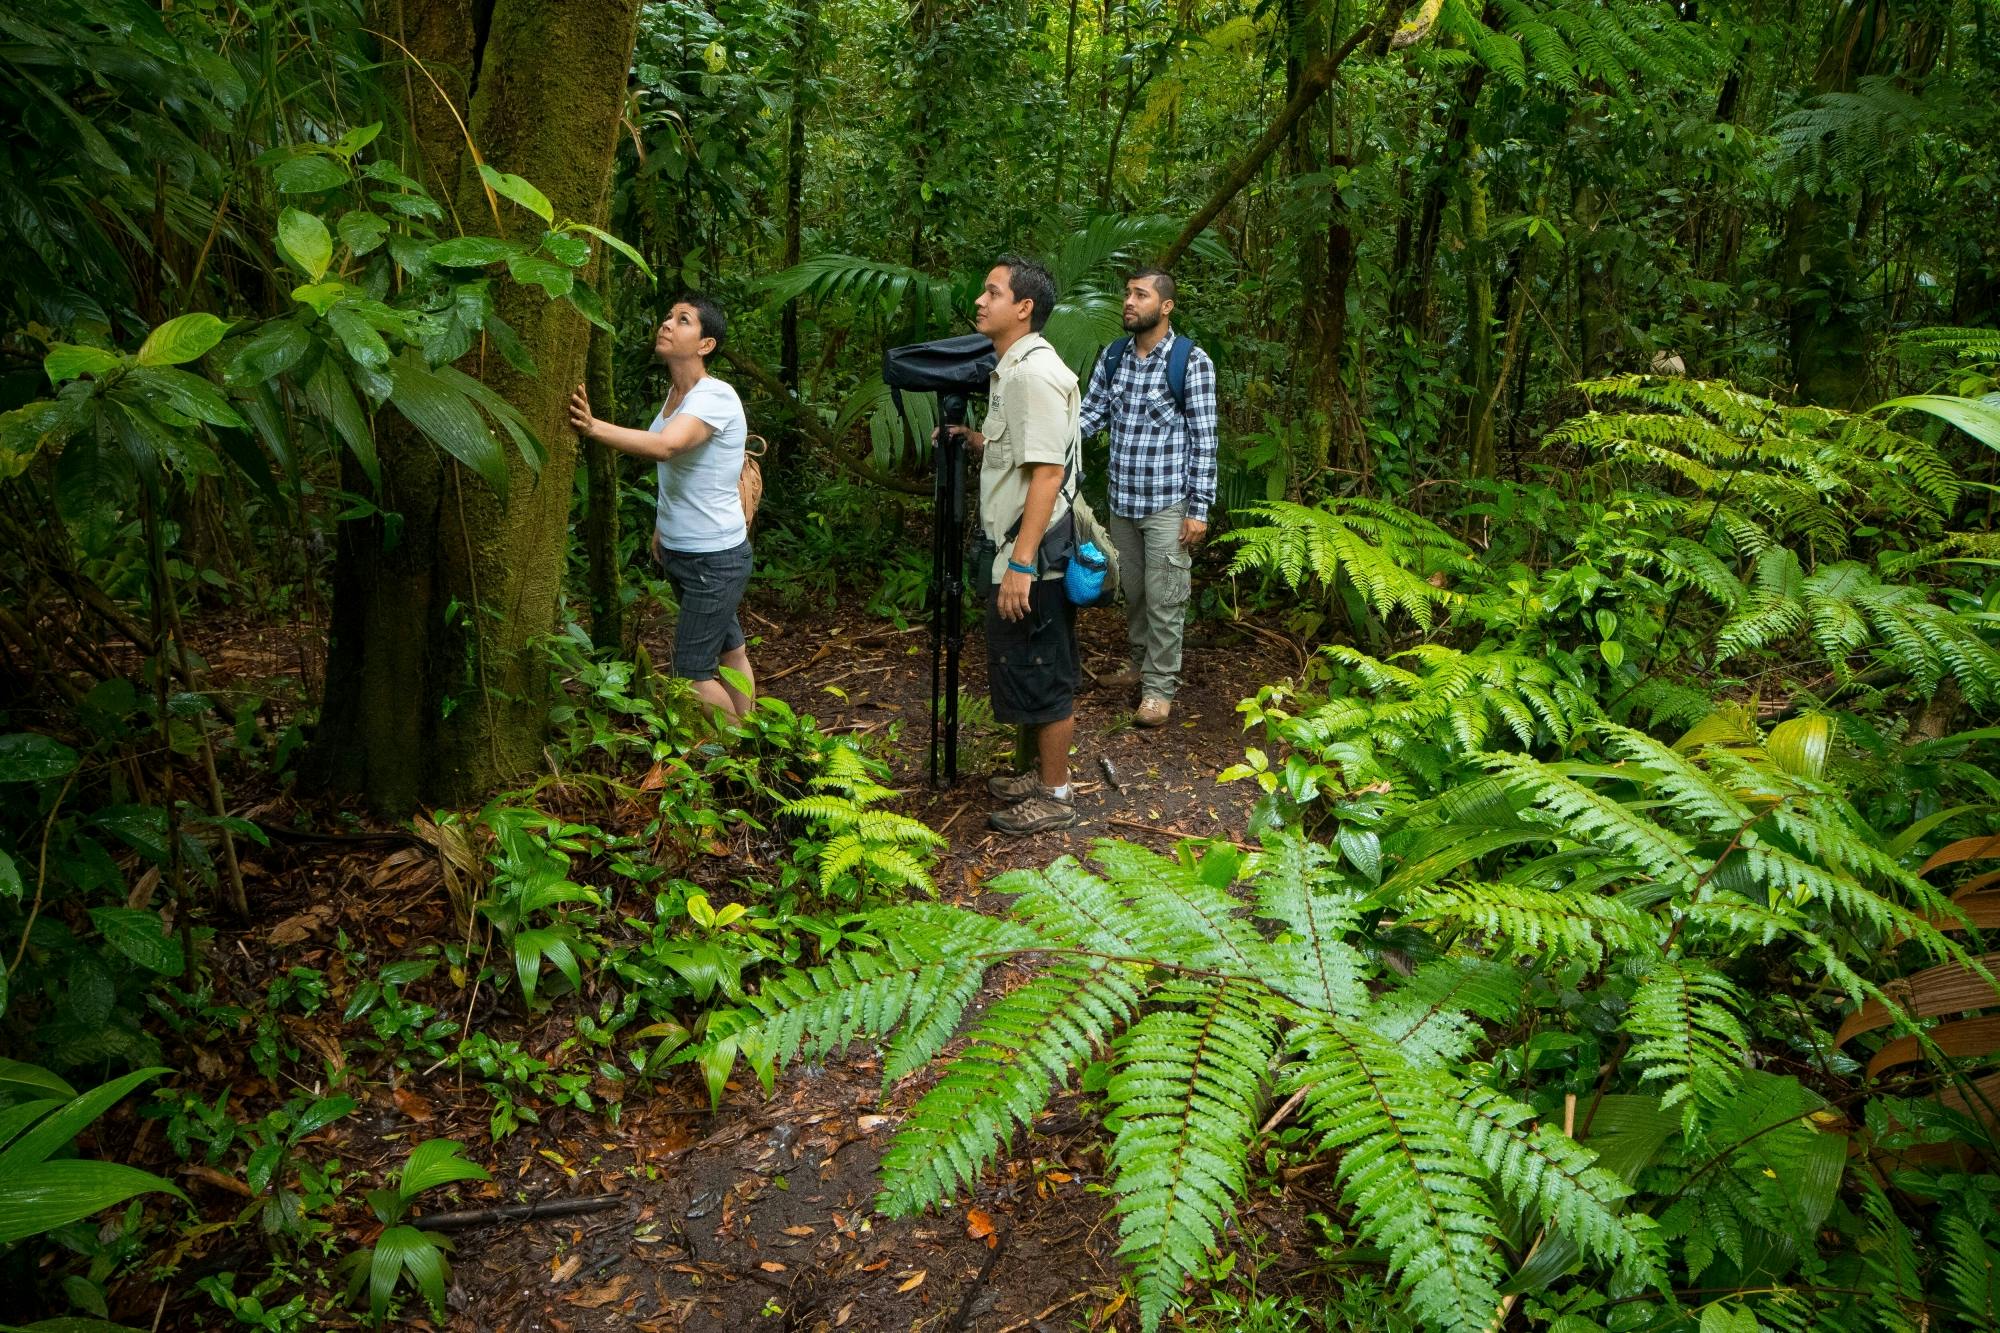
(1386, 553)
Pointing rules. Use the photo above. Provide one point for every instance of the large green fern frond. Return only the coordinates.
(1405, 1170)
(1018, 1051)
(927, 954)
(1387, 554)
(1686, 1031)
(1566, 924)
(1585, 814)
(1184, 1105)
(1557, 1179)
(1312, 963)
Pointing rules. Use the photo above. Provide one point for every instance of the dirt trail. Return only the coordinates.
(759, 1216)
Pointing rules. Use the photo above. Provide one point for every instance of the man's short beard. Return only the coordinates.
(1140, 324)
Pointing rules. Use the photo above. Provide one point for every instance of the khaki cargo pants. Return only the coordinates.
(1153, 573)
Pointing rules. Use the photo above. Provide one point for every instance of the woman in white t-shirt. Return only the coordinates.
(699, 537)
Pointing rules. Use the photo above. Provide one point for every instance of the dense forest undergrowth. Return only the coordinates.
(1561, 900)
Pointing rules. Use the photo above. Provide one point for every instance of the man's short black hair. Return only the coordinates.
(1029, 281)
(714, 324)
(1163, 281)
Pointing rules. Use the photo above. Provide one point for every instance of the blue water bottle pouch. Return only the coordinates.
(1083, 581)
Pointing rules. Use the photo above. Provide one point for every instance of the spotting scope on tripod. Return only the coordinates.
(955, 369)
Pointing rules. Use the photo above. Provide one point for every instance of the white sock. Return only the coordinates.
(1060, 793)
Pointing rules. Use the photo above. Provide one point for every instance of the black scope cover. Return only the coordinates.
(945, 365)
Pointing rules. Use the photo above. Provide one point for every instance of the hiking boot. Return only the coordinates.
(1125, 678)
(1012, 788)
(1153, 712)
(1035, 814)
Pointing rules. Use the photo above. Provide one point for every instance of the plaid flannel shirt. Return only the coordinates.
(1159, 457)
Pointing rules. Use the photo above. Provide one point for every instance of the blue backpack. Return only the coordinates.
(1177, 364)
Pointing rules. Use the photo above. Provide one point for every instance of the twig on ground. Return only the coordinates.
(1040, 1315)
(508, 1214)
(978, 1284)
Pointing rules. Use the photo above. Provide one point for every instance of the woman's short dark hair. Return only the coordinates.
(714, 324)
(1029, 281)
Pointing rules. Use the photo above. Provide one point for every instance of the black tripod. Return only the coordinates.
(954, 369)
(947, 590)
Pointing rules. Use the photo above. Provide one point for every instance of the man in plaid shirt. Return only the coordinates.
(1162, 482)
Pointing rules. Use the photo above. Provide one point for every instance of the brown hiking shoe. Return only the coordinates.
(1036, 814)
(1153, 712)
(1125, 678)
(1012, 788)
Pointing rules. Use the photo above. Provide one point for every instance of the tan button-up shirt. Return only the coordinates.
(1032, 416)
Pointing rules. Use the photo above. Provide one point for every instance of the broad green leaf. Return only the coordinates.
(10, 877)
(310, 174)
(437, 1162)
(332, 397)
(278, 346)
(15, 1120)
(357, 139)
(590, 305)
(502, 411)
(567, 248)
(520, 191)
(27, 756)
(361, 232)
(472, 251)
(1363, 850)
(398, 1248)
(319, 296)
(621, 247)
(551, 277)
(304, 240)
(18, 1077)
(136, 933)
(263, 1164)
(360, 339)
(447, 418)
(66, 361)
(321, 1114)
(1977, 417)
(45, 1195)
(26, 431)
(179, 341)
(65, 1124)
(190, 395)
(1800, 745)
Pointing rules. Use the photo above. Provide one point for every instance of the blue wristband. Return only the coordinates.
(1020, 568)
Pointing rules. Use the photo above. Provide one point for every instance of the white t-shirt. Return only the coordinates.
(700, 510)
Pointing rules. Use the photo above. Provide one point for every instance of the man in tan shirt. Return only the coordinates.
(1030, 433)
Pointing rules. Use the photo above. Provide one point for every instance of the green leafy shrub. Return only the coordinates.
(403, 1251)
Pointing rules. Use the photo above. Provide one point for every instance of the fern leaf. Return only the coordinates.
(1185, 1101)
(1404, 1169)
(1558, 1179)
(1685, 1030)
(1567, 924)
(1018, 1051)
(1587, 815)
(807, 1014)
(1312, 964)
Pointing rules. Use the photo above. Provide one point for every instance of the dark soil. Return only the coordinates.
(758, 1215)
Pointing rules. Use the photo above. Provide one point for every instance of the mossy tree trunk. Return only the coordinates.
(435, 691)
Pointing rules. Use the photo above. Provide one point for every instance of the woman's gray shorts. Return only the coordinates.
(709, 586)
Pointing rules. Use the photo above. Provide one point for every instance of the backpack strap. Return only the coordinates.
(1177, 364)
(1113, 357)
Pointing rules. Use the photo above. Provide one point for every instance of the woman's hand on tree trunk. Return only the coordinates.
(580, 419)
